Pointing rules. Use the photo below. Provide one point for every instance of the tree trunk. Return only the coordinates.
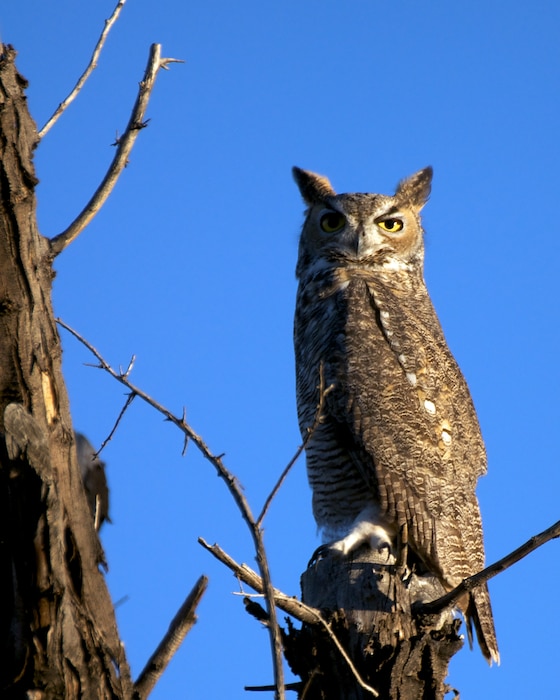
(371, 609)
(58, 636)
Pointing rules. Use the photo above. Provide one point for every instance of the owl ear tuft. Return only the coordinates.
(313, 187)
(416, 189)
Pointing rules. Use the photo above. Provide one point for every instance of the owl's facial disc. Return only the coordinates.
(392, 224)
(331, 221)
(391, 234)
(363, 229)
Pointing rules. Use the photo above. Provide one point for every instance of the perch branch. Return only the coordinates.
(288, 604)
(234, 489)
(267, 688)
(468, 584)
(124, 147)
(92, 65)
(294, 607)
(316, 422)
(172, 640)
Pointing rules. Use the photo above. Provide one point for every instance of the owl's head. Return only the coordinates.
(362, 230)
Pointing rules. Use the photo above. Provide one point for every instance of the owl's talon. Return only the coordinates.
(385, 546)
(319, 554)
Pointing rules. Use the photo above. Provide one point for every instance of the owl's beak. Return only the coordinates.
(366, 243)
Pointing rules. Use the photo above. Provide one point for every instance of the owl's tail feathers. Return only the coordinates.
(479, 614)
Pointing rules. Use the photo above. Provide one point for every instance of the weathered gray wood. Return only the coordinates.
(370, 608)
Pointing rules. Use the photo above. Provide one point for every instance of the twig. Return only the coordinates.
(316, 422)
(294, 607)
(125, 144)
(172, 640)
(288, 604)
(186, 440)
(267, 688)
(128, 370)
(130, 398)
(88, 71)
(121, 601)
(309, 683)
(468, 584)
(235, 491)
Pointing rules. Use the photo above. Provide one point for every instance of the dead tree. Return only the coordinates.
(370, 606)
(366, 629)
(58, 635)
(374, 632)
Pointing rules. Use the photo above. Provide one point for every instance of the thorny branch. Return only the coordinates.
(489, 572)
(125, 143)
(172, 640)
(129, 399)
(294, 607)
(289, 604)
(235, 491)
(92, 65)
(316, 422)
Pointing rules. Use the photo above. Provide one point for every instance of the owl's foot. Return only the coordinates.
(374, 536)
(320, 553)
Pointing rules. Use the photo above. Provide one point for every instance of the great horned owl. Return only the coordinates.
(399, 448)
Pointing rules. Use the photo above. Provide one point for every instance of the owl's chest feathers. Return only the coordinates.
(381, 346)
(354, 311)
(325, 282)
(338, 329)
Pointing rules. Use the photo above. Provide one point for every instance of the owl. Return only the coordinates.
(398, 451)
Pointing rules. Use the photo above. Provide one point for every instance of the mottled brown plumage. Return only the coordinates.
(399, 449)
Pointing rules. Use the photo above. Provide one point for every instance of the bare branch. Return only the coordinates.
(468, 584)
(316, 422)
(130, 398)
(294, 607)
(267, 688)
(124, 147)
(186, 441)
(178, 630)
(164, 63)
(283, 476)
(289, 604)
(128, 370)
(92, 65)
(235, 491)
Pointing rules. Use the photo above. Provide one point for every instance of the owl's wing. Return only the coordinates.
(416, 438)
(404, 410)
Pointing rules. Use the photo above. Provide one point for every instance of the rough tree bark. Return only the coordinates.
(372, 608)
(58, 636)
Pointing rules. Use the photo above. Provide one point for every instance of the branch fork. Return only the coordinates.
(124, 145)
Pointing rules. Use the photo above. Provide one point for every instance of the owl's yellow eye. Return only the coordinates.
(391, 225)
(332, 222)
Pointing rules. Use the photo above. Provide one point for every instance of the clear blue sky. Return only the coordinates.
(190, 266)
